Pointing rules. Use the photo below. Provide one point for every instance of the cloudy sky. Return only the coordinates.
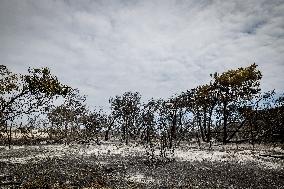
(158, 48)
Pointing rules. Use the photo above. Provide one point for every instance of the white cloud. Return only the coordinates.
(156, 47)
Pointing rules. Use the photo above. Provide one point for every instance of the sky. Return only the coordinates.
(158, 48)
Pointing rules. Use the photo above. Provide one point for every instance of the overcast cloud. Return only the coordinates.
(158, 48)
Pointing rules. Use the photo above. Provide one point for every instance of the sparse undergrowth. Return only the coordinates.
(123, 167)
(63, 172)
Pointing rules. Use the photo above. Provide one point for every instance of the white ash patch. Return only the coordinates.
(140, 178)
(279, 150)
(243, 156)
(44, 152)
(104, 163)
(111, 149)
(199, 155)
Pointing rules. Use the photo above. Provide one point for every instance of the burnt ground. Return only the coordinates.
(116, 171)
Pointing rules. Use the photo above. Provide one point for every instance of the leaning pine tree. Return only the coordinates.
(26, 94)
(235, 87)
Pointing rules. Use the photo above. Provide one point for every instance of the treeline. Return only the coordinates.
(230, 108)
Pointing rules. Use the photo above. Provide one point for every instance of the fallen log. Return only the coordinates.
(9, 183)
(273, 156)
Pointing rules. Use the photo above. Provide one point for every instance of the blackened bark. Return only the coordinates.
(225, 123)
(200, 126)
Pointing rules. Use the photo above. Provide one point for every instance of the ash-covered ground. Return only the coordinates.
(113, 165)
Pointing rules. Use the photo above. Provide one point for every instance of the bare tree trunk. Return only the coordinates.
(109, 129)
(126, 131)
(200, 126)
(251, 133)
(209, 126)
(173, 128)
(66, 134)
(225, 123)
(148, 134)
(10, 136)
(204, 124)
(197, 135)
(107, 133)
